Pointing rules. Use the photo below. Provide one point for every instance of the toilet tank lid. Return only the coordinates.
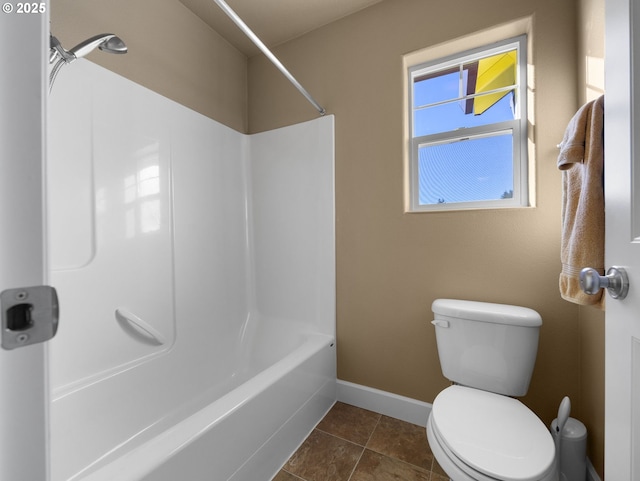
(487, 312)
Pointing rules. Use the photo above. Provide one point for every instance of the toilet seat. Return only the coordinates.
(490, 436)
(455, 468)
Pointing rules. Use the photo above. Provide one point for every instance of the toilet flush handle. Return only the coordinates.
(440, 323)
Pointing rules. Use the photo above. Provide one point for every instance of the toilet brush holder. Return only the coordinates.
(572, 449)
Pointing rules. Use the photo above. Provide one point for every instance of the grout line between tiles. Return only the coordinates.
(295, 475)
(414, 466)
(396, 460)
(339, 437)
(364, 448)
(355, 466)
(373, 430)
(428, 471)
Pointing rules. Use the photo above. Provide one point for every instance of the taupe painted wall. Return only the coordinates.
(391, 265)
(592, 355)
(171, 51)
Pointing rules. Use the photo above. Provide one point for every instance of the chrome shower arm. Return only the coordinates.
(57, 50)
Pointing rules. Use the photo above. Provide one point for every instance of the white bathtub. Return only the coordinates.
(247, 433)
(220, 248)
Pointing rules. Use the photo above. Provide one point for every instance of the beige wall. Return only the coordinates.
(392, 265)
(590, 50)
(171, 51)
(591, 85)
(591, 407)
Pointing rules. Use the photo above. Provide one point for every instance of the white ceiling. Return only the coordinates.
(273, 21)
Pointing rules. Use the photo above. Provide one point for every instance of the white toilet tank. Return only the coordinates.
(487, 346)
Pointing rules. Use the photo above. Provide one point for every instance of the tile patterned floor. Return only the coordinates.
(353, 444)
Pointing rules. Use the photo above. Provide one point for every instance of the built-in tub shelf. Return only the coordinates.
(138, 328)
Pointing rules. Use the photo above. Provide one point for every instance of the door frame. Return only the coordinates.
(24, 396)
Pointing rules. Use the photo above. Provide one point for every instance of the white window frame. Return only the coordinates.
(518, 126)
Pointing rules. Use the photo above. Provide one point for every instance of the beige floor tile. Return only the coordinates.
(284, 476)
(376, 467)
(323, 457)
(401, 440)
(350, 422)
(438, 472)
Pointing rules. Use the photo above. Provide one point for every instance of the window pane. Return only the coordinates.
(452, 116)
(437, 88)
(476, 169)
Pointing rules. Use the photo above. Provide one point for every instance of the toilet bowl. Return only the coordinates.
(480, 436)
(477, 430)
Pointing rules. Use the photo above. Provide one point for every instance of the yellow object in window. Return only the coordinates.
(495, 72)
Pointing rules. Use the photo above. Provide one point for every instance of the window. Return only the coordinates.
(468, 130)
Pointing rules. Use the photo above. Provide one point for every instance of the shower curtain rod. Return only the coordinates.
(254, 38)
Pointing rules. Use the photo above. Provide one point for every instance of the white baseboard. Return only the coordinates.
(389, 404)
(401, 407)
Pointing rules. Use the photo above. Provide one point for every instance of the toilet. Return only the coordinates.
(477, 430)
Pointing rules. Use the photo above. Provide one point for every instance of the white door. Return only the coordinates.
(23, 396)
(622, 180)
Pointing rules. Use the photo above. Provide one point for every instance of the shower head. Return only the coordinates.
(107, 42)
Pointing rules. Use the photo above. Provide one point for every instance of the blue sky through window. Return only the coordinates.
(475, 169)
(451, 116)
(464, 171)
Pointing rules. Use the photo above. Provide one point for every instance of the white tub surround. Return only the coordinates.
(196, 269)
